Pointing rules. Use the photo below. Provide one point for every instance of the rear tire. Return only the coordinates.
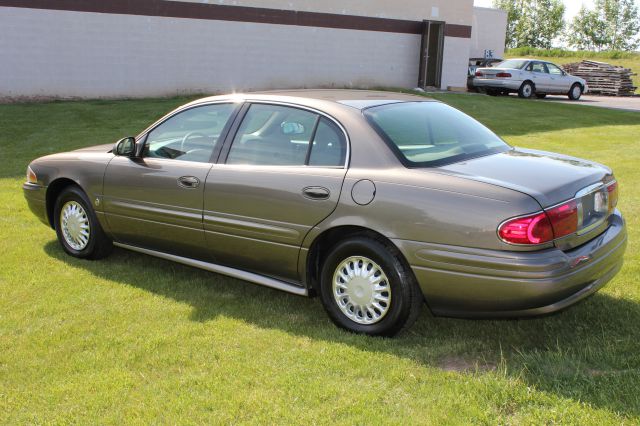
(576, 92)
(527, 90)
(366, 287)
(77, 226)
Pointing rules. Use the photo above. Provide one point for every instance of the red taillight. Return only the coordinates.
(534, 229)
(503, 75)
(542, 227)
(564, 219)
(612, 189)
(479, 74)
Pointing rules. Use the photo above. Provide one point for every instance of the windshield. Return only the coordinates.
(425, 134)
(515, 64)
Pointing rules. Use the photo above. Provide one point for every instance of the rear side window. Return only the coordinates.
(537, 67)
(329, 145)
(428, 134)
(275, 135)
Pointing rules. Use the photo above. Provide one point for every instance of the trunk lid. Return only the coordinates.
(550, 179)
(491, 72)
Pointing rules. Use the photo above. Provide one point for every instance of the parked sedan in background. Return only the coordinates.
(529, 78)
(374, 201)
(474, 64)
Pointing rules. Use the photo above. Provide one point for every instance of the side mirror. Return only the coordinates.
(125, 147)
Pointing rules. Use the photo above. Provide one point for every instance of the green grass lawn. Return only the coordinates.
(141, 340)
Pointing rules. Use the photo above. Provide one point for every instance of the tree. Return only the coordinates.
(533, 23)
(611, 25)
(587, 31)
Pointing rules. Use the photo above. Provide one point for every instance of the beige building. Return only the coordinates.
(98, 48)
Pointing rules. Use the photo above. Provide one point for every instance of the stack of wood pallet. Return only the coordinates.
(603, 78)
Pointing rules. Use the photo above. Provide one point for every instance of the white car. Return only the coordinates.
(528, 78)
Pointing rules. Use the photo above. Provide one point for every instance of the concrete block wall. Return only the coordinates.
(79, 54)
(50, 53)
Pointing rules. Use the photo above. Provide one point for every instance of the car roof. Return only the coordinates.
(531, 60)
(358, 99)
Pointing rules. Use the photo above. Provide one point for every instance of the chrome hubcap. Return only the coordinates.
(576, 92)
(527, 90)
(361, 290)
(75, 225)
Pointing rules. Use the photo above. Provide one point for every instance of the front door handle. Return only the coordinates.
(188, 182)
(316, 193)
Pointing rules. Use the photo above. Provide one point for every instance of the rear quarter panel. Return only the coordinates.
(424, 206)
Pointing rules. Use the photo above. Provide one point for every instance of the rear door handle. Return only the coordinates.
(316, 193)
(188, 182)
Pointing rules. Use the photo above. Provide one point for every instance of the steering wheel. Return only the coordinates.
(189, 136)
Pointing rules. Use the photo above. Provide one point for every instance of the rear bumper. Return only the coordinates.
(496, 83)
(36, 200)
(467, 282)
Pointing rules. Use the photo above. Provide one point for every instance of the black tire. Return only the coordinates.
(527, 90)
(98, 244)
(541, 95)
(575, 93)
(405, 296)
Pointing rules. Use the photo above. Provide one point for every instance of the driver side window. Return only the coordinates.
(190, 135)
(554, 69)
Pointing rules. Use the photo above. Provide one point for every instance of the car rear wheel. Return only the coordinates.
(527, 90)
(367, 288)
(576, 92)
(77, 226)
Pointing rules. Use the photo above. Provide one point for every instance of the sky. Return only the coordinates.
(573, 6)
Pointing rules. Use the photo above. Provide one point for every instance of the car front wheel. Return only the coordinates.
(367, 288)
(527, 90)
(77, 226)
(576, 92)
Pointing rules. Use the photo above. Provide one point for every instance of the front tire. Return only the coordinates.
(576, 92)
(77, 226)
(366, 287)
(527, 90)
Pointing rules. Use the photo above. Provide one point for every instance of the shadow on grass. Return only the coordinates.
(587, 353)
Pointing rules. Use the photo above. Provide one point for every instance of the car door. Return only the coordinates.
(560, 82)
(155, 201)
(280, 174)
(540, 76)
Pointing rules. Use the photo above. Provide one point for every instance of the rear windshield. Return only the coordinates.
(514, 64)
(428, 134)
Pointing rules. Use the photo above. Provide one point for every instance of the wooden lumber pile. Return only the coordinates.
(603, 78)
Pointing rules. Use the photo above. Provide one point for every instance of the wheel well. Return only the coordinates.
(528, 81)
(53, 190)
(328, 239)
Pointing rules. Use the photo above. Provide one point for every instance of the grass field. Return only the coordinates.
(626, 60)
(134, 339)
